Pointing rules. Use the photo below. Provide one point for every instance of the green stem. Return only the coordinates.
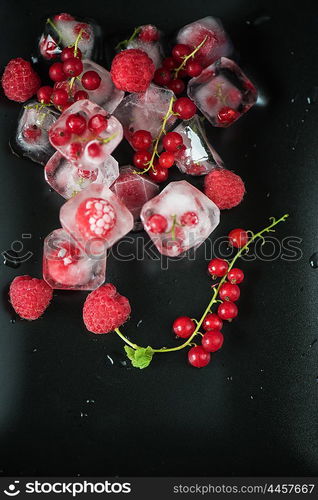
(124, 43)
(186, 58)
(50, 22)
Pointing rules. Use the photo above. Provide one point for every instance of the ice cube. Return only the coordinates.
(68, 180)
(88, 149)
(187, 218)
(134, 190)
(222, 92)
(96, 218)
(31, 139)
(152, 47)
(66, 266)
(145, 111)
(197, 157)
(217, 42)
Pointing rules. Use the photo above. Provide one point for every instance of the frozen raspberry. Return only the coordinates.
(84, 29)
(148, 33)
(104, 309)
(95, 217)
(19, 80)
(132, 70)
(224, 188)
(62, 266)
(31, 133)
(30, 296)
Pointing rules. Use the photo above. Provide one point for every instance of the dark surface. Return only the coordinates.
(253, 411)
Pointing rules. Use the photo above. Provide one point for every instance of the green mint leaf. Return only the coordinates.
(141, 357)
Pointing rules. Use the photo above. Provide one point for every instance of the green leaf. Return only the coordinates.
(141, 357)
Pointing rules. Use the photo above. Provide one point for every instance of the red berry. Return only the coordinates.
(228, 291)
(84, 29)
(95, 217)
(199, 357)
(224, 188)
(63, 263)
(141, 159)
(158, 174)
(218, 267)
(91, 80)
(235, 275)
(59, 97)
(238, 237)
(73, 67)
(180, 51)
(189, 219)
(177, 86)
(44, 94)
(183, 327)
(227, 115)
(132, 70)
(69, 53)
(212, 322)
(141, 140)
(75, 150)
(162, 76)
(193, 68)
(157, 224)
(169, 63)
(31, 133)
(97, 124)
(227, 310)
(29, 296)
(59, 136)
(94, 150)
(212, 341)
(19, 80)
(185, 108)
(166, 159)
(56, 72)
(80, 94)
(148, 33)
(64, 16)
(172, 142)
(66, 105)
(76, 124)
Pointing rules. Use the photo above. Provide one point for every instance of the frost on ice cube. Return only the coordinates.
(145, 111)
(68, 180)
(197, 157)
(66, 266)
(179, 218)
(62, 30)
(134, 191)
(96, 218)
(217, 42)
(31, 139)
(222, 92)
(153, 49)
(88, 148)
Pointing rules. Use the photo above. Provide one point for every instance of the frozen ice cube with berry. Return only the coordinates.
(134, 191)
(85, 134)
(96, 218)
(148, 40)
(179, 218)
(210, 29)
(196, 156)
(145, 111)
(222, 92)
(68, 180)
(31, 139)
(66, 266)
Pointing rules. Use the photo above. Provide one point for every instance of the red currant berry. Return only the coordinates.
(75, 150)
(166, 159)
(180, 51)
(177, 86)
(66, 105)
(227, 310)
(198, 357)
(141, 140)
(238, 238)
(149, 33)
(91, 80)
(44, 94)
(141, 159)
(212, 341)
(162, 76)
(172, 141)
(212, 322)
(158, 174)
(64, 16)
(235, 275)
(73, 67)
(56, 72)
(76, 124)
(97, 124)
(189, 219)
(69, 53)
(94, 150)
(228, 291)
(227, 115)
(183, 327)
(193, 68)
(59, 97)
(80, 94)
(31, 133)
(157, 224)
(60, 136)
(169, 63)
(185, 108)
(218, 267)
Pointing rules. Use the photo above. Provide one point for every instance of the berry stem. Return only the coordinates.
(124, 43)
(186, 58)
(216, 289)
(50, 22)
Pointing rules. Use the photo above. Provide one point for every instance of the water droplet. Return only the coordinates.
(35, 350)
(292, 100)
(261, 370)
(313, 343)
(11, 259)
(316, 379)
(268, 195)
(109, 361)
(261, 388)
(13, 320)
(116, 360)
(313, 95)
(251, 396)
(139, 323)
(83, 415)
(313, 261)
(230, 378)
(90, 401)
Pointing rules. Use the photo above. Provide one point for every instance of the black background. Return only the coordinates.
(253, 411)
